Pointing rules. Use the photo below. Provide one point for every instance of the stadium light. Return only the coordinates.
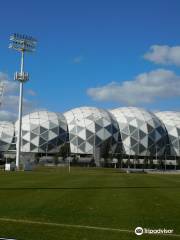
(22, 44)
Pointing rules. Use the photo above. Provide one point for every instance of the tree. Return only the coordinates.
(145, 162)
(151, 163)
(75, 159)
(120, 159)
(56, 160)
(37, 158)
(92, 162)
(64, 150)
(105, 152)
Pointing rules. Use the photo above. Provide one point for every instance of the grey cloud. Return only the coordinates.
(7, 116)
(31, 92)
(145, 88)
(10, 99)
(163, 54)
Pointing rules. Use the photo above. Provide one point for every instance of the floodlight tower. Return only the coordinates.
(22, 44)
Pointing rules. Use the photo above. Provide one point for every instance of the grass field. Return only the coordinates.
(51, 204)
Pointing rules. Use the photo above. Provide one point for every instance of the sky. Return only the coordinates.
(102, 53)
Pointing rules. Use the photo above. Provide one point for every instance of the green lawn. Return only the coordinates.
(90, 197)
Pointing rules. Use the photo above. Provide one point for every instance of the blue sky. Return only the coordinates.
(86, 45)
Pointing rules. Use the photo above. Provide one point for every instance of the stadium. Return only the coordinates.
(127, 136)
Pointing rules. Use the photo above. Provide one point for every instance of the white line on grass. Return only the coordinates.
(64, 225)
(76, 226)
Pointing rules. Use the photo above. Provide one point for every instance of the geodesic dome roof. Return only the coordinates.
(171, 121)
(6, 135)
(43, 131)
(89, 128)
(142, 133)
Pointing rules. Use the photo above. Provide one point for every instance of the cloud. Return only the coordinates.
(31, 92)
(9, 86)
(7, 116)
(78, 59)
(164, 55)
(144, 89)
(10, 99)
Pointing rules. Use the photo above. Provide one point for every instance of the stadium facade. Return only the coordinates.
(171, 121)
(142, 133)
(43, 132)
(6, 135)
(126, 132)
(91, 130)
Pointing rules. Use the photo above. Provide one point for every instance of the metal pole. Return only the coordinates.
(18, 151)
(69, 165)
(134, 161)
(21, 43)
(121, 160)
(157, 163)
(128, 161)
(165, 160)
